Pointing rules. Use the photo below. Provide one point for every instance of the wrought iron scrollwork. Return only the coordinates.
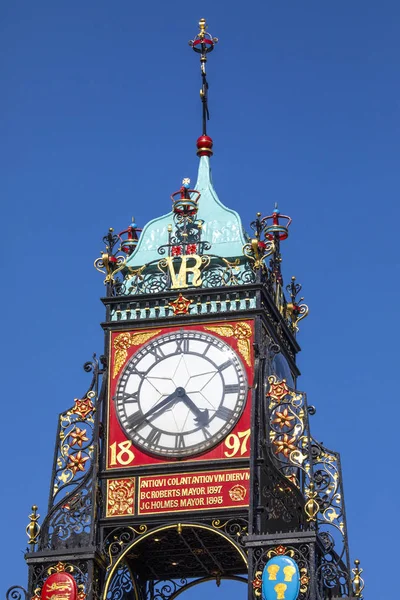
(16, 592)
(289, 437)
(334, 571)
(122, 585)
(118, 539)
(71, 507)
(234, 528)
(166, 589)
(70, 522)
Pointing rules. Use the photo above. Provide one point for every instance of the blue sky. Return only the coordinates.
(100, 114)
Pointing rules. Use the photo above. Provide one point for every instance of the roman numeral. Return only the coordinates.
(224, 413)
(135, 419)
(179, 441)
(157, 352)
(206, 433)
(128, 397)
(131, 370)
(232, 388)
(154, 437)
(224, 365)
(182, 345)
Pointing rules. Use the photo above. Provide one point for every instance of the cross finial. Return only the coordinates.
(203, 43)
(203, 27)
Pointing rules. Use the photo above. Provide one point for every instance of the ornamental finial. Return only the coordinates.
(357, 581)
(203, 43)
(33, 528)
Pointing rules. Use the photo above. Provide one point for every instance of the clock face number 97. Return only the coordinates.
(181, 394)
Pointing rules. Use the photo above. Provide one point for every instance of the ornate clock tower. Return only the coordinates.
(190, 457)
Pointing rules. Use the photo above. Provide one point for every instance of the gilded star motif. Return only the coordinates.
(283, 418)
(284, 445)
(77, 462)
(78, 436)
(180, 306)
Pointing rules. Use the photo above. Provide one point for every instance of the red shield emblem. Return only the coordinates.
(59, 586)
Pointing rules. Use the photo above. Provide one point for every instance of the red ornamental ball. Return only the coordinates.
(204, 146)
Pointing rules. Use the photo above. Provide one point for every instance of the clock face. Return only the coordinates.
(181, 394)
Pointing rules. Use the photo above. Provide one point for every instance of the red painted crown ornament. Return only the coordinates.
(184, 201)
(276, 225)
(129, 238)
(203, 42)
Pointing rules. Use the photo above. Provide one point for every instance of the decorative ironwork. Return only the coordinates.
(259, 247)
(331, 516)
(233, 528)
(16, 592)
(122, 586)
(109, 263)
(69, 524)
(295, 311)
(289, 438)
(72, 503)
(357, 581)
(333, 576)
(282, 503)
(118, 539)
(311, 506)
(75, 451)
(33, 528)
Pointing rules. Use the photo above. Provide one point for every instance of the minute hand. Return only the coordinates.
(159, 406)
(202, 416)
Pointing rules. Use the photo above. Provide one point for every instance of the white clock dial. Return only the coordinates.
(181, 394)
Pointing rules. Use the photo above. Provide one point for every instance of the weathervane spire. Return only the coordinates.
(203, 43)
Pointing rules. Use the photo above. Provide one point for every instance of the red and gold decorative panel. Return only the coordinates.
(205, 490)
(120, 497)
(134, 436)
(59, 586)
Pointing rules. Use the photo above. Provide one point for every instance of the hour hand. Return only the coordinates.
(201, 416)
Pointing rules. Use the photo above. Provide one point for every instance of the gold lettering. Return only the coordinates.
(180, 279)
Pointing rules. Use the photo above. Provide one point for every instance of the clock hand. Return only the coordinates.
(156, 408)
(202, 416)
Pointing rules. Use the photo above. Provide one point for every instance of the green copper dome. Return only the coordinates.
(222, 226)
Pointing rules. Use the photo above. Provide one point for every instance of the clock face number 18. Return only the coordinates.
(181, 394)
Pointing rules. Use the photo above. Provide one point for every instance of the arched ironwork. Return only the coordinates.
(174, 590)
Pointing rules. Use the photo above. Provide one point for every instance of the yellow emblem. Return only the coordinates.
(123, 341)
(241, 332)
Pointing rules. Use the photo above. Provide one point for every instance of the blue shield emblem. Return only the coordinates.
(280, 579)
